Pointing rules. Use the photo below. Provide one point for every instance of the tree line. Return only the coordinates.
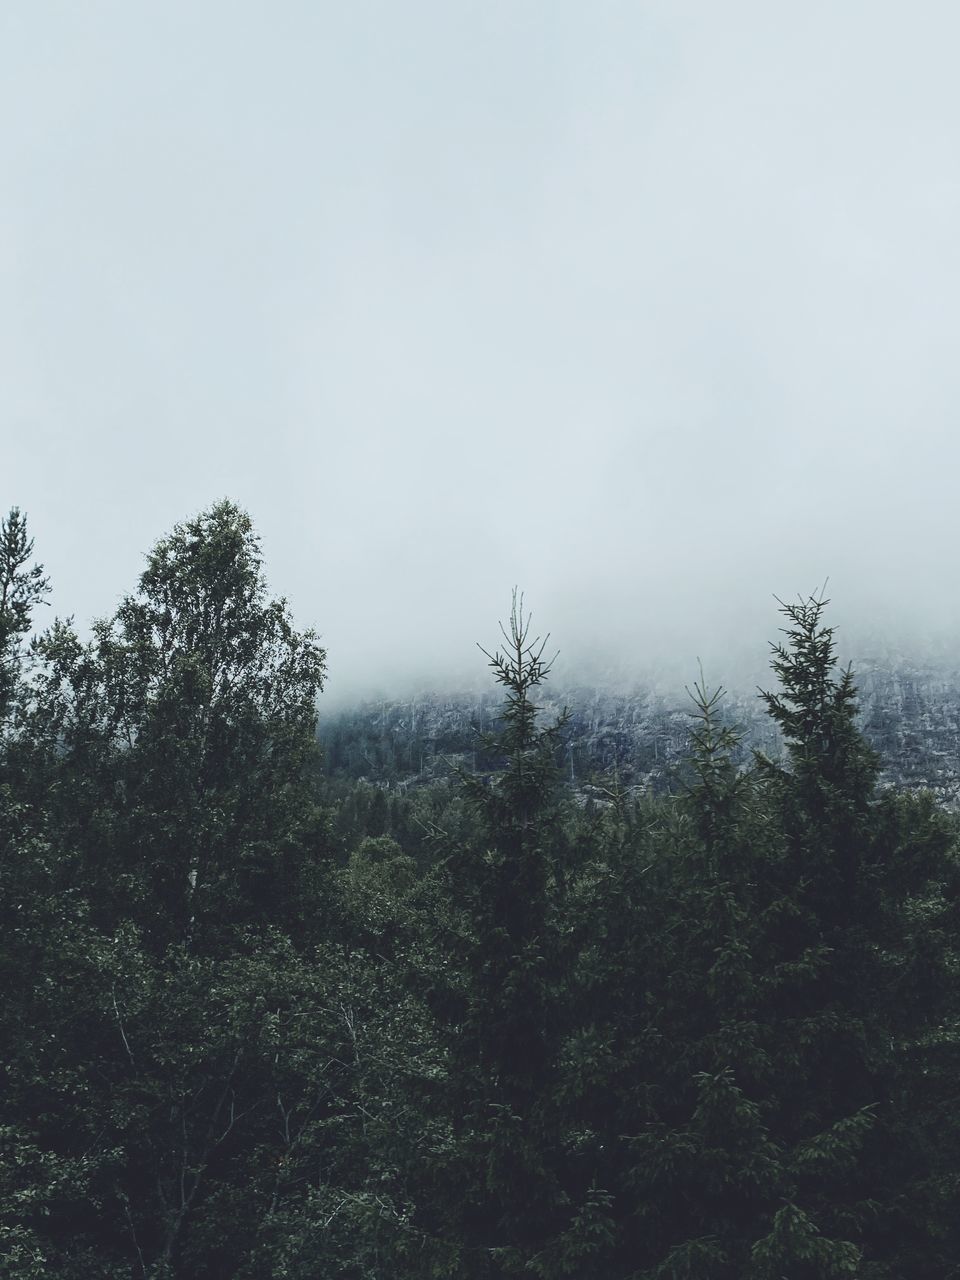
(708, 1035)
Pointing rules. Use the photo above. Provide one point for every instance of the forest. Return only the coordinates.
(264, 1017)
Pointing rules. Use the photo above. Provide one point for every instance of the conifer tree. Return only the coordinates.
(519, 866)
(699, 1166)
(510, 1201)
(871, 884)
(770, 1132)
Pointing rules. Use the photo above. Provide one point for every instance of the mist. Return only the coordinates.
(651, 309)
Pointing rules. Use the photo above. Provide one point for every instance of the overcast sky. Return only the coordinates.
(651, 307)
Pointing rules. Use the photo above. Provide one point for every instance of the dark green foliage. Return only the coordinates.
(22, 587)
(262, 1021)
(191, 713)
(872, 884)
(507, 882)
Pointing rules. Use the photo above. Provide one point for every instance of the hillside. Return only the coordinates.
(909, 712)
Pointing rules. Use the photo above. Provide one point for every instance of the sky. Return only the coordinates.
(651, 308)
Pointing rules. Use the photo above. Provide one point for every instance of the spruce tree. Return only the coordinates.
(777, 1125)
(513, 1197)
(870, 879)
(699, 1167)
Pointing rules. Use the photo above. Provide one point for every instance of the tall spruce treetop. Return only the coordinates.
(521, 854)
(816, 708)
(515, 804)
(508, 1202)
(867, 880)
(830, 784)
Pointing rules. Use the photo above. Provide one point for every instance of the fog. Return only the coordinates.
(651, 308)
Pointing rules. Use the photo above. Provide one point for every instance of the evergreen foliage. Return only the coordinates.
(261, 1021)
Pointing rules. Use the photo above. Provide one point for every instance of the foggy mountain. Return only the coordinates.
(637, 738)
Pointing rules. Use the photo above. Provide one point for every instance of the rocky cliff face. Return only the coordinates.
(910, 712)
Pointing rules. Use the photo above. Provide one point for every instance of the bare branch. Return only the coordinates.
(123, 1034)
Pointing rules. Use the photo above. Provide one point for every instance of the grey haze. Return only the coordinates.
(650, 307)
